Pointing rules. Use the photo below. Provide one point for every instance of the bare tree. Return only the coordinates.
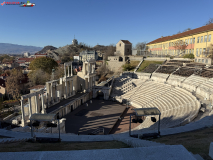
(209, 52)
(188, 29)
(140, 46)
(35, 77)
(13, 83)
(59, 72)
(210, 21)
(109, 51)
(103, 69)
(180, 45)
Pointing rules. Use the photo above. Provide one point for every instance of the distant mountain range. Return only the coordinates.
(7, 48)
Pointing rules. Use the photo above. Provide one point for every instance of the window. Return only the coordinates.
(203, 60)
(206, 60)
(200, 51)
(192, 51)
(120, 44)
(197, 52)
(198, 39)
(207, 50)
(209, 39)
(201, 39)
(204, 51)
(199, 60)
(193, 40)
(186, 41)
(186, 51)
(195, 60)
(205, 38)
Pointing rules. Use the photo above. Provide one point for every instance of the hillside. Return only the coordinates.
(72, 50)
(46, 48)
(7, 48)
(66, 52)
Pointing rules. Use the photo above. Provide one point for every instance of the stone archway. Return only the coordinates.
(100, 95)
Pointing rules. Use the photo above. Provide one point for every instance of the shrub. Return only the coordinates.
(191, 56)
(127, 67)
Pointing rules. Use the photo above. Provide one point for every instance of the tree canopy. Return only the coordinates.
(180, 45)
(35, 77)
(191, 56)
(140, 46)
(13, 83)
(44, 63)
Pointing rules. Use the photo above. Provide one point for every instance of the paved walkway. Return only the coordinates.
(123, 125)
(98, 114)
(177, 152)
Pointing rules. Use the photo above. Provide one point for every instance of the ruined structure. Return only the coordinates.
(40, 100)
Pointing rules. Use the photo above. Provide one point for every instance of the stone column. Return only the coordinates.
(30, 109)
(88, 67)
(42, 103)
(68, 71)
(51, 91)
(71, 70)
(92, 68)
(36, 104)
(22, 113)
(65, 89)
(56, 96)
(65, 73)
(91, 82)
(47, 100)
(88, 84)
(72, 87)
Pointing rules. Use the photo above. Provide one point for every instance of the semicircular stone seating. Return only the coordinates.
(177, 106)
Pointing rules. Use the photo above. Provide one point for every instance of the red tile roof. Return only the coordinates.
(40, 53)
(126, 41)
(25, 59)
(187, 33)
(11, 62)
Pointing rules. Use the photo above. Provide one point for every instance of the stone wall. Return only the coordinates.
(156, 59)
(115, 66)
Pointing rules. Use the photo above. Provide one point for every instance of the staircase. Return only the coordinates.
(138, 65)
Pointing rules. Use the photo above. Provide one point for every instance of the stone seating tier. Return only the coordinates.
(185, 71)
(205, 73)
(176, 104)
(167, 69)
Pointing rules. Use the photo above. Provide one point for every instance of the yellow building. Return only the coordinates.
(197, 42)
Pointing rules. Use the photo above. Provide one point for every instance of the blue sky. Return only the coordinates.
(102, 22)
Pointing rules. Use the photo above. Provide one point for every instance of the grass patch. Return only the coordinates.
(147, 63)
(30, 146)
(197, 142)
(131, 66)
(134, 63)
